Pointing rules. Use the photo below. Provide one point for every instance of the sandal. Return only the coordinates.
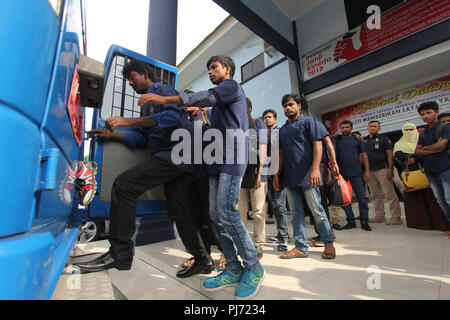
(294, 253)
(222, 262)
(329, 252)
(188, 263)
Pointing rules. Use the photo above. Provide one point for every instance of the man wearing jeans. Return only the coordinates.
(299, 159)
(348, 151)
(229, 116)
(433, 147)
(277, 198)
(257, 194)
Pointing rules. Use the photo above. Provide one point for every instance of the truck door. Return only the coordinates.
(113, 158)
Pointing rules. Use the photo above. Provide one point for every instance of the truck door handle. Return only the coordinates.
(49, 167)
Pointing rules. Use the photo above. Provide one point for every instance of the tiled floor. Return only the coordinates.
(390, 262)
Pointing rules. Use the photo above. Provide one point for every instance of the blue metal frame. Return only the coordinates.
(98, 209)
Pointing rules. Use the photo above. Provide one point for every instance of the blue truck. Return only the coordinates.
(46, 84)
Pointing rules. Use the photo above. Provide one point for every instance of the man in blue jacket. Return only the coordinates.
(433, 147)
(154, 129)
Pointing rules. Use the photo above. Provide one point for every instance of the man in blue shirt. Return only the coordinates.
(277, 198)
(198, 185)
(299, 159)
(348, 151)
(228, 165)
(433, 147)
(155, 129)
(256, 194)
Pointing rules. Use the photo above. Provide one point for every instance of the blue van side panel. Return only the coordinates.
(19, 158)
(36, 229)
(26, 61)
(25, 265)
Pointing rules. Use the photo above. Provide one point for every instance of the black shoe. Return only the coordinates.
(337, 226)
(365, 226)
(202, 266)
(107, 262)
(316, 238)
(349, 225)
(97, 259)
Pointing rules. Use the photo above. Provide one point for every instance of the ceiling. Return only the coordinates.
(294, 9)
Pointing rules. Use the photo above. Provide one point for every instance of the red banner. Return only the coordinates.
(395, 24)
(74, 107)
(397, 107)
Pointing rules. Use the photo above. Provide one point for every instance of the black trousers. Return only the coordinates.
(199, 207)
(126, 189)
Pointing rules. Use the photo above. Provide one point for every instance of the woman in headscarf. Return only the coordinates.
(421, 208)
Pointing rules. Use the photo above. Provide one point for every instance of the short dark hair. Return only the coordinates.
(140, 67)
(290, 96)
(445, 114)
(225, 61)
(249, 103)
(270, 111)
(373, 121)
(346, 122)
(428, 105)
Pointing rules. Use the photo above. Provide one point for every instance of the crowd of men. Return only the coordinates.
(292, 174)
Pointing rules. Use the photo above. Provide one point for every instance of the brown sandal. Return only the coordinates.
(222, 262)
(188, 263)
(294, 253)
(329, 252)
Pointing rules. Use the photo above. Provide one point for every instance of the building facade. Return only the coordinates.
(357, 60)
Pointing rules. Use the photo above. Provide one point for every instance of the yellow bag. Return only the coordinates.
(414, 180)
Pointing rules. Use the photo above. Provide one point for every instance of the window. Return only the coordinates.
(119, 98)
(252, 67)
(258, 63)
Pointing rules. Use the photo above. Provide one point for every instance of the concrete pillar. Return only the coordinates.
(162, 31)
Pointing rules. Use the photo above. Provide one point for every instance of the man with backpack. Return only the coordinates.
(256, 192)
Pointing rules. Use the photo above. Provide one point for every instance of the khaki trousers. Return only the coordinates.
(334, 214)
(258, 200)
(382, 188)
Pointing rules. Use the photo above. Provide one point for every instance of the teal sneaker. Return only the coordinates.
(224, 279)
(250, 283)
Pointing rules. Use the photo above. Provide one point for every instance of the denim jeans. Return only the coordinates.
(359, 189)
(278, 202)
(312, 196)
(440, 184)
(234, 237)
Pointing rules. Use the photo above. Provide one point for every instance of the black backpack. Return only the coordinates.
(251, 173)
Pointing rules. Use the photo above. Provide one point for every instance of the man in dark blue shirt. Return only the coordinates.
(277, 198)
(227, 165)
(381, 161)
(299, 160)
(155, 129)
(433, 147)
(348, 151)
